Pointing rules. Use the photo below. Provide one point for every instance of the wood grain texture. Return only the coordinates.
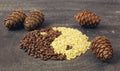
(60, 13)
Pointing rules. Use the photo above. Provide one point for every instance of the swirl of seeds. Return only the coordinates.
(55, 43)
(37, 44)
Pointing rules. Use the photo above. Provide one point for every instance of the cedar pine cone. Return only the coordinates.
(33, 20)
(87, 19)
(102, 48)
(15, 19)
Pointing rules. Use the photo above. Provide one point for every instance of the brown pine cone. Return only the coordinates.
(15, 20)
(87, 19)
(33, 20)
(102, 48)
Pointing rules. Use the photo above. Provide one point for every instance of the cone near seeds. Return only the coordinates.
(87, 19)
(102, 48)
(33, 20)
(15, 20)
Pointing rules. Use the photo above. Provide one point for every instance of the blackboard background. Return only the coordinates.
(60, 13)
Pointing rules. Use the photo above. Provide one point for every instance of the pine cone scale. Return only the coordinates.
(19, 14)
(39, 14)
(32, 20)
(34, 16)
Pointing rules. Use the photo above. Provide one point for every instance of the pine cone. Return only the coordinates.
(15, 20)
(33, 20)
(87, 19)
(102, 48)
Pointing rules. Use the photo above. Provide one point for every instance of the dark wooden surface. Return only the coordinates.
(60, 13)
